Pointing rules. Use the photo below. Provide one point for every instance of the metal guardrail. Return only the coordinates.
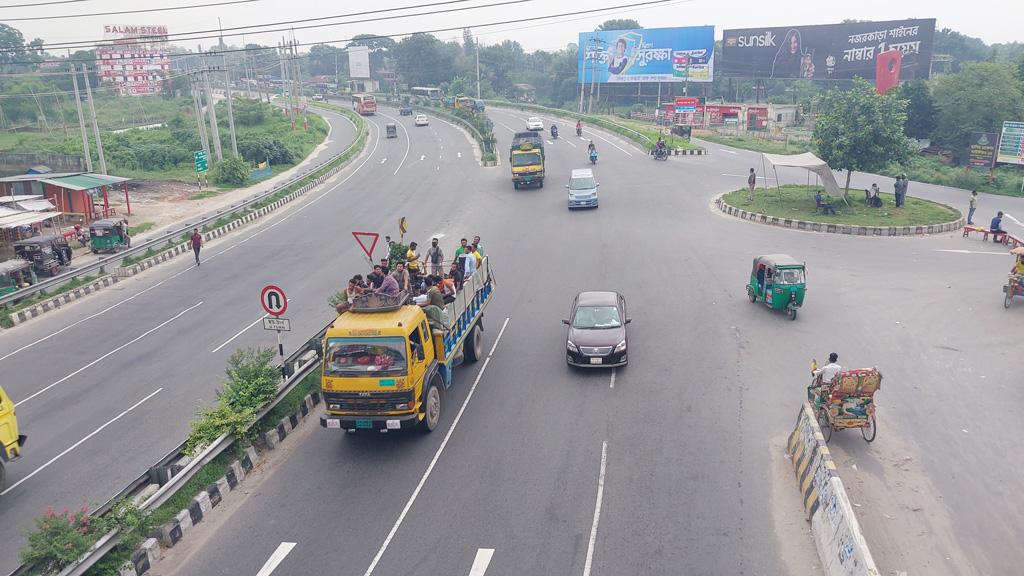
(60, 279)
(301, 361)
(601, 122)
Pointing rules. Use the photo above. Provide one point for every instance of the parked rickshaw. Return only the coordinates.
(391, 130)
(15, 275)
(109, 235)
(48, 254)
(846, 402)
(10, 440)
(779, 281)
(1015, 279)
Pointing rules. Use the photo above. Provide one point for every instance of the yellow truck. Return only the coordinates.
(526, 157)
(10, 441)
(387, 367)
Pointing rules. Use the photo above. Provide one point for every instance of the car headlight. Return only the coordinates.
(621, 346)
(570, 346)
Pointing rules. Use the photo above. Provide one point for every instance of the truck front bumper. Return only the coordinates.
(382, 423)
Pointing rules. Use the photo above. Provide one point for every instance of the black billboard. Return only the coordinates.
(830, 51)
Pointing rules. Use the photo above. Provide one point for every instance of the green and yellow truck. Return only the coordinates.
(10, 441)
(526, 157)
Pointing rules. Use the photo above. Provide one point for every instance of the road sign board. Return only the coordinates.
(371, 237)
(1011, 144)
(402, 225)
(273, 300)
(279, 324)
(202, 163)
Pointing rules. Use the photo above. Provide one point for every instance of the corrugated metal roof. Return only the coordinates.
(84, 181)
(26, 218)
(36, 205)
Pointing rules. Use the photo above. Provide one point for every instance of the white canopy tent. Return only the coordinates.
(808, 162)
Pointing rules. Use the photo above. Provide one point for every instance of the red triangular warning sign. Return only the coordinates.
(362, 238)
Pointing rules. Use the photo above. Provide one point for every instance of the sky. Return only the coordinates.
(990, 20)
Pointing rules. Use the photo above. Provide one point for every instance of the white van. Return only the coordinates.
(582, 189)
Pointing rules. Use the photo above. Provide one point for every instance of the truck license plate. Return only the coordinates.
(394, 424)
(334, 423)
(364, 423)
(596, 360)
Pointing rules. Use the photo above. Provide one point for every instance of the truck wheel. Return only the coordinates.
(473, 349)
(431, 405)
(3, 477)
(541, 184)
(515, 185)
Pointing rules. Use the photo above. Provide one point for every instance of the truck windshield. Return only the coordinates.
(364, 356)
(596, 317)
(789, 276)
(526, 159)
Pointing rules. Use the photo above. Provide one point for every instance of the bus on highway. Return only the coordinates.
(364, 104)
(426, 92)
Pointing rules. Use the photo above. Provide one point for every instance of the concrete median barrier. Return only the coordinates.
(837, 536)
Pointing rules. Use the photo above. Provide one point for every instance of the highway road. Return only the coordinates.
(672, 465)
(106, 386)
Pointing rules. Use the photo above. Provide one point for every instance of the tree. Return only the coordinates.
(920, 109)
(468, 44)
(618, 24)
(423, 60)
(861, 130)
(961, 47)
(325, 59)
(977, 99)
(232, 170)
(12, 45)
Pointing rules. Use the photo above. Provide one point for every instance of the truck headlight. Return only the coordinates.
(621, 346)
(402, 406)
(570, 346)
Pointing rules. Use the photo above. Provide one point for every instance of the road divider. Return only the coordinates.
(837, 536)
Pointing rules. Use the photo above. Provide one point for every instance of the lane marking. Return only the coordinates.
(276, 558)
(422, 157)
(612, 385)
(112, 352)
(242, 331)
(728, 151)
(458, 154)
(597, 509)
(383, 160)
(408, 140)
(80, 442)
(569, 142)
(437, 456)
(482, 560)
(973, 252)
(507, 127)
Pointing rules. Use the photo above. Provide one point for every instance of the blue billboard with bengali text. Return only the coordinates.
(647, 55)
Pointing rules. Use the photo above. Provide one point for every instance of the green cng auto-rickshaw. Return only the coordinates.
(108, 235)
(391, 130)
(779, 281)
(15, 275)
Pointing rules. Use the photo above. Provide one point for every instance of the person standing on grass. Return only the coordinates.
(972, 208)
(196, 243)
(751, 183)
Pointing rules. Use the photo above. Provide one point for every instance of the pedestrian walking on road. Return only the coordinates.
(973, 207)
(196, 243)
(435, 257)
(751, 183)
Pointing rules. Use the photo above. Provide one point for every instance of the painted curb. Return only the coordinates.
(697, 152)
(56, 302)
(203, 504)
(849, 229)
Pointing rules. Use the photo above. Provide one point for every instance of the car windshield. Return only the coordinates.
(533, 121)
(582, 183)
(364, 356)
(526, 159)
(789, 276)
(596, 317)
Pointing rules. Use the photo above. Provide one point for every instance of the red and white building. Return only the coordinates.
(134, 58)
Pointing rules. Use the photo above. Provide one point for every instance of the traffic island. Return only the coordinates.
(794, 206)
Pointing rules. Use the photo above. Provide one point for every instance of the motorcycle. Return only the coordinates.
(593, 156)
(660, 153)
(554, 133)
(579, 132)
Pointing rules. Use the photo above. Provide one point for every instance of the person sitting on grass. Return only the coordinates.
(820, 202)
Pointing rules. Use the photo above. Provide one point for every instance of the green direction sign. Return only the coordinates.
(202, 165)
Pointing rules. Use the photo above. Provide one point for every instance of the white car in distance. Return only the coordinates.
(534, 124)
(421, 120)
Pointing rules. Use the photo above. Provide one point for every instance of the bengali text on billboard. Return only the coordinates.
(830, 51)
(1011, 144)
(981, 149)
(647, 55)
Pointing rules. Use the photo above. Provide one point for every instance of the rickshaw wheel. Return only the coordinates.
(751, 295)
(869, 431)
(792, 313)
(826, 428)
(1008, 299)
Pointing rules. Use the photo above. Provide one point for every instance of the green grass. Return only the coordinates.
(290, 403)
(652, 131)
(1006, 180)
(206, 476)
(797, 202)
(39, 296)
(204, 195)
(133, 230)
(760, 144)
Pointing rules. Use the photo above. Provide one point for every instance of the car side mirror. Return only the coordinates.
(598, 185)
(566, 186)
(628, 320)
(565, 321)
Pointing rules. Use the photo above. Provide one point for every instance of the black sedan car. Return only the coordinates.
(597, 330)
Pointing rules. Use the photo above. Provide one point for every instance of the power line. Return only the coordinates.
(398, 35)
(119, 12)
(180, 36)
(33, 4)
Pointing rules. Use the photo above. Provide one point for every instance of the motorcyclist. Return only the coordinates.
(659, 148)
(591, 148)
(579, 127)
(554, 131)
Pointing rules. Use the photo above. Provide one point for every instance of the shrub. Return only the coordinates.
(232, 170)
(59, 539)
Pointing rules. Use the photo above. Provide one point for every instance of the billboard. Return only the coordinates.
(358, 61)
(830, 51)
(134, 57)
(981, 149)
(1011, 144)
(647, 55)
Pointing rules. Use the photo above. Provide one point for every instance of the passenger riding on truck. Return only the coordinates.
(385, 368)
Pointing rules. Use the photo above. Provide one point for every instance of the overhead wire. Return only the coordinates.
(120, 12)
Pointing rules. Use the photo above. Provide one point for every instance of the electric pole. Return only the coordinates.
(81, 121)
(476, 48)
(282, 55)
(231, 114)
(193, 86)
(95, 124)
(211, 110)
